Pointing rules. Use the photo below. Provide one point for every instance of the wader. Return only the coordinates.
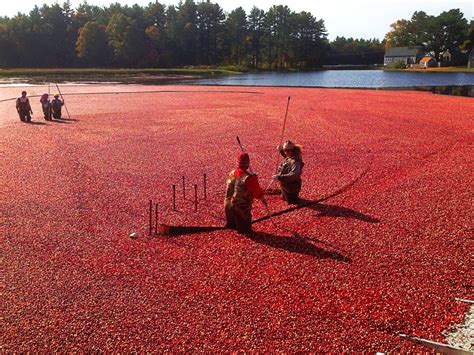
(24, 108)
(46, 105)
(56, 105)
(238, 204)
(291, 183)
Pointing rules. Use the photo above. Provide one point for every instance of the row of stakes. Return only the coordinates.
(150, 232)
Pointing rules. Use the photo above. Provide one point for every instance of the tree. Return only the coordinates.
(432, 33)
(468, 42)
(58, 25)
(92, 44)
(256, 30)
(355, 51)
(209, 24)
(186, 20)
(447, 30)
(236, 35)
(155, 35)
(154, 18)
(279, 26)
(309, 41)
(8, 56)
(399, 36)
(126, 40)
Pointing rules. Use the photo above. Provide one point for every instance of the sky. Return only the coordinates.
(349, 18)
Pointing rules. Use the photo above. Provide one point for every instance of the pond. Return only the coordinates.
(461, 84)
(343, 79)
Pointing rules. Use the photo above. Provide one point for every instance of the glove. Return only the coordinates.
(275, 177)
(279, 147)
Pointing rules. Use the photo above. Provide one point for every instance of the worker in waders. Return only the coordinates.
(242, 187)
(56, 105)
(289, 172)
(46, 106)
(23, 107)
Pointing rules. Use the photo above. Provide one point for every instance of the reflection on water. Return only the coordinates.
(345, 79)
(438, 82)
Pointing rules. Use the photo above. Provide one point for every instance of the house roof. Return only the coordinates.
(402, 51)
(425, 59)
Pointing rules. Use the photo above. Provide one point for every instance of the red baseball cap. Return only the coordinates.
(243, 160)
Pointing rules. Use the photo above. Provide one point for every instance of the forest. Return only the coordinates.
(201, 34)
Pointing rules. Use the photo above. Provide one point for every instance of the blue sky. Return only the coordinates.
(349, 18)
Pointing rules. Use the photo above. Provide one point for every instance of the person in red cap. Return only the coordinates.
(242, 187)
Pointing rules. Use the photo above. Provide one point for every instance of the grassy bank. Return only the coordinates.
(435, 70)
(110, 71)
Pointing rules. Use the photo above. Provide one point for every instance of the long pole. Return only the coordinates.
(174, 197)
(156, 218)
(195, 198)
(283, 131)
(242, 149)
(184, 188)
(49, 98)
(281, 141)
(240, 144)
(62, 98)
(150, 221)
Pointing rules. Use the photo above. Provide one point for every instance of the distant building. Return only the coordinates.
(428, 62)
(452, 56)
(406, 55)
(445, 57)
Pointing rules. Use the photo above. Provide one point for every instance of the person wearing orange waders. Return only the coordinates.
(23, 107)
(289, 172)
(241, 189)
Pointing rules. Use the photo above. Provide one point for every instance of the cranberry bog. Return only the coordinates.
(382, 244)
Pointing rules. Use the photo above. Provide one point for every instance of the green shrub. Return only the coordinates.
(399, 65)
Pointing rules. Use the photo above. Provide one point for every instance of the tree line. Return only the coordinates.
(189, 34)
(448, 30)
(202, 34)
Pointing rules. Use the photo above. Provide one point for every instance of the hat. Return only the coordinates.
(56, 95)
(288, 145)
(243, 160)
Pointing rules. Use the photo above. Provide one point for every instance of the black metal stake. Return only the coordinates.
(151, 222)
(195, 198)
(174, 197)
(184, 189)
(205, 186)
(156, 219)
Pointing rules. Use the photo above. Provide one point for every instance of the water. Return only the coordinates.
(343, 79)
(461, 84)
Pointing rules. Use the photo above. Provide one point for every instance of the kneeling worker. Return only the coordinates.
(56, 104)
(289, 172)
(242, 187)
